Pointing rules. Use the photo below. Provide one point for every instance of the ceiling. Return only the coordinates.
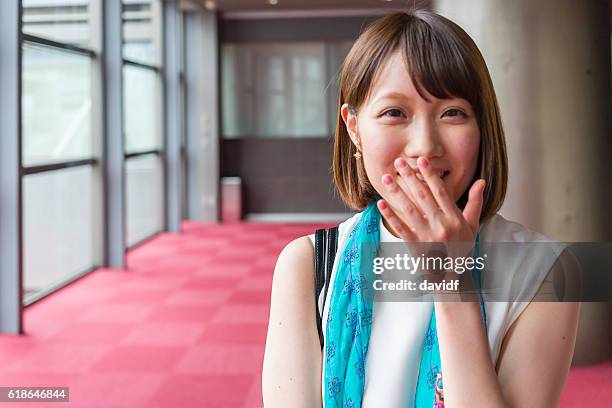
(305, 5)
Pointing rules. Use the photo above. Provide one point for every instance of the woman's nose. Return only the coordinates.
(424, 140)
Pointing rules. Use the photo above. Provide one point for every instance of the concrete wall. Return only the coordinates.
(550, 64)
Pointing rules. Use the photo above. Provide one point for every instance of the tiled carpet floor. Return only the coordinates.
(183, 326)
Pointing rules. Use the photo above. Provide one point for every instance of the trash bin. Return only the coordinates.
(231, 199)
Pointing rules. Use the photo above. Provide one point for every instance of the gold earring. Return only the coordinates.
(358, 146)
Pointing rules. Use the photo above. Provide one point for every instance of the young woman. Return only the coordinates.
(420, 152)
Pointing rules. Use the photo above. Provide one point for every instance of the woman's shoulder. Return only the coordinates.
(295, 253)
(519, 254)
(298, 254)
(500, 229)
(343, 227)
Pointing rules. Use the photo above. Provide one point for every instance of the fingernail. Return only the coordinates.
(383, 205)
(423, 162)
(387, 179)
(401, 163)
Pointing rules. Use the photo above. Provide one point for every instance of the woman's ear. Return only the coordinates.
(349, 117)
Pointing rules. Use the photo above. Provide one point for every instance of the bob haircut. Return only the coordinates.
(442, 59)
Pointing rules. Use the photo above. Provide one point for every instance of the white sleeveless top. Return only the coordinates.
(399, 328)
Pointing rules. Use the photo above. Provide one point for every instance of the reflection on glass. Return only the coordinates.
(141, 30)
(279, 89)
(60, 20)
(58, 226)
(141, 106)
(144, 189)
(56, 105)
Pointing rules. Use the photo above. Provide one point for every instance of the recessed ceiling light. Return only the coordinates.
(273, 2)
(210, 5)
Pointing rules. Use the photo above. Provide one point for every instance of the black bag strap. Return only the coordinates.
(319, 252)
(326, 245)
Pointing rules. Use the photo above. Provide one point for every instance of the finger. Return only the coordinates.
(404, 231)
(402, 183)
(472, 209)
(403, 206)
(423, 198)
(437, 187)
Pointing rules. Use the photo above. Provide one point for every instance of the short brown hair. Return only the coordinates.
(442, 59)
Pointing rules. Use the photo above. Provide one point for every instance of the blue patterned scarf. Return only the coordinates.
(349, 325)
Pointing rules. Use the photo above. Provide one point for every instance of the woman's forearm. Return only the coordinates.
(468, 373)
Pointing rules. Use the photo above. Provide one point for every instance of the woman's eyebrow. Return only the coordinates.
(458, 101)
(392, 95)
(435, 102)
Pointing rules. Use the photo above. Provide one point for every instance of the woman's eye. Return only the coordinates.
(394, 113)
(454, 113)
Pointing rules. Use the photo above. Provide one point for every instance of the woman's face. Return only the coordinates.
(395, 122)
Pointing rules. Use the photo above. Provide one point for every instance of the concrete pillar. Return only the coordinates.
(114, 152)
(202, 110)
(11, 235)
(550, 65)
(173, 120)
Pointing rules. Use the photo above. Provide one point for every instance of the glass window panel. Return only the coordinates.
(66, 21)
(56, 105)
(236, 114)
(144, 189)
(141, 106)
(142, 30)
(337, 52)
(277, 89)
(59, 226)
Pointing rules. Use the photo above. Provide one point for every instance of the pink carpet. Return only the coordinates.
(184, 326)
